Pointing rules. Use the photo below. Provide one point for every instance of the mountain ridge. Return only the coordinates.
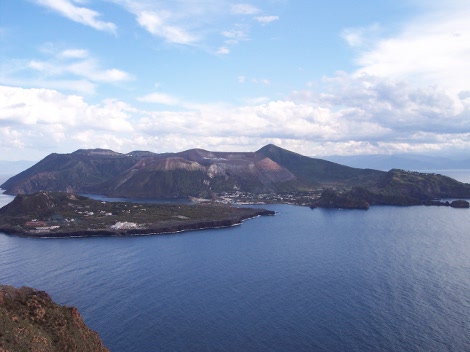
(201, 173)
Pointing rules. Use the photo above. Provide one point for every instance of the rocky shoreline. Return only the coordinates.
(161, 229)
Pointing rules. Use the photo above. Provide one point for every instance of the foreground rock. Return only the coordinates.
(31, 321)
(56, 214)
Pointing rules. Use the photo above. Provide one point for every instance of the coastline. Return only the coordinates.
(163, 228)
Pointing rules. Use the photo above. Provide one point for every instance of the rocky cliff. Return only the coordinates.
(31, 321)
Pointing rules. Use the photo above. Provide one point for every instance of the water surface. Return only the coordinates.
(386, 279)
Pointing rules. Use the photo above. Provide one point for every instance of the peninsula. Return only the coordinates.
(59, 214)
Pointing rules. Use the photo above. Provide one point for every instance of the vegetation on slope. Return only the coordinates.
(31, 321)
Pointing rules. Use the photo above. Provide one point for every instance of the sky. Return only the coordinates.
(335, 77)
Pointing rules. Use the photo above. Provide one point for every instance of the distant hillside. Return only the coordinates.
(313, 171)
(202, 173)
(76, 172)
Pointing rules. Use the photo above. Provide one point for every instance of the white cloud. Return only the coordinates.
(235, 36)
(264, 81)
(401, 112)
(157, 24)
(202, 24)
(180, 22)
(359, 37)
(409, 92)
(34, 121)
(223, 50)
(71, 69)
(74, 54)
(78, 14)
(257, 100)
(267, 19)
(244, 79)
(365, 115)
(159, 98)
(44, 107)
(245, 9)
(433, 49)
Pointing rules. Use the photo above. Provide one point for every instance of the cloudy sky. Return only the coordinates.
(316, 77)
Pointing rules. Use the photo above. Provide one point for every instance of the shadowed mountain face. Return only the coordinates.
(73, 172)
(313, 171)
(202, 173)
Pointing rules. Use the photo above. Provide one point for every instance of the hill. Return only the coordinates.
(31, 321)
(312, 171)
(75, 172)
(201, 173)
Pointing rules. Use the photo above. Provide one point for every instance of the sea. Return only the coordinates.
(386, 279)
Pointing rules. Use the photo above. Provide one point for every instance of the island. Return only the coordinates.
(268, 175)
(61, 214)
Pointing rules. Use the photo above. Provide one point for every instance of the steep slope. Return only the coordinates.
(248, 171)
(81, 171)
(197, 172)
(316, 172)
(31, 321)
(157, 176)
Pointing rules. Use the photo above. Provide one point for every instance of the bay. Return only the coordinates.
(386, 279)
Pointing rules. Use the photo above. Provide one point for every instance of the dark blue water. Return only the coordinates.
(386, 279)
